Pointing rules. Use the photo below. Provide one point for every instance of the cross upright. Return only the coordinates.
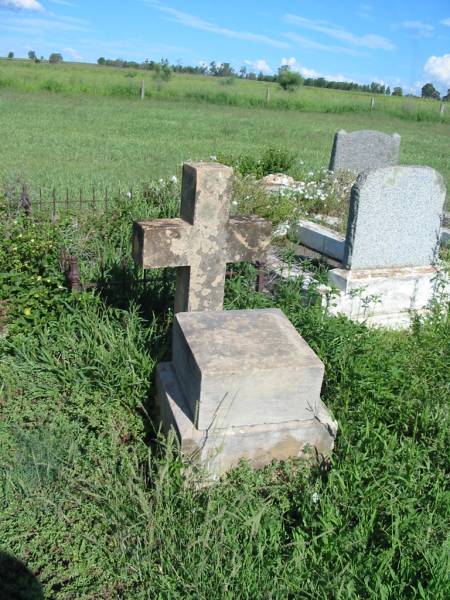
(203, 240)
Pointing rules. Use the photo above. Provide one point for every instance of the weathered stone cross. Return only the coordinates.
(203, 240)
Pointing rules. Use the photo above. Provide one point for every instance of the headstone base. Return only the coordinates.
(219, 450)
(385, 296)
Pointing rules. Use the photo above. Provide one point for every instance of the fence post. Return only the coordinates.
(142, 89)
(267, 95)
(54, 205)
(442, 109)
(25, 201)
(261, 278)
(372, 104)
(73, 274)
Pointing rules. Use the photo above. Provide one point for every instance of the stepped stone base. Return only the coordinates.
(219, 450)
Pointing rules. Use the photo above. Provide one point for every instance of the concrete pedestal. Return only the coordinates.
(385, 296)
(243, 385)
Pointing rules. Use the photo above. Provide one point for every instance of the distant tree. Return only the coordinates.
(55, 57)
(212, 68)
(10, 55)
(225, 70)
(429, 91)
(32, 55)
(243, 72)
(398, 91)
(102, 60)
(162, 73)
(251, 76)
(447, 97)
(287, 79)
(388, 91)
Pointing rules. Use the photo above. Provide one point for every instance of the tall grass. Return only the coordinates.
(94, 80)
(94, 500)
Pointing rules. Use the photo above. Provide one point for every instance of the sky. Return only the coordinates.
(396, 42)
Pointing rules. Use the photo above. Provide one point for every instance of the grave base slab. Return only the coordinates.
(219, 450)
(386, 297)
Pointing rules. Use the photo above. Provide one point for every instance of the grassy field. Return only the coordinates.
(71, 141)
(95, 80)
(84, 134)
(92, 499)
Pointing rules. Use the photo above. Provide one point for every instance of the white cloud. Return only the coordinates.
(370, 40)
(421, 29)
(312, 73)
(73, 54)
(365, 12)
(196, 23)
(39, 25)
(62, 2)
(22, 5)
(290, 62)
(438, 67)
(446, 22)
(313, 45)
(259, 66)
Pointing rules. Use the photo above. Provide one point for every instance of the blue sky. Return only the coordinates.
(397, 42)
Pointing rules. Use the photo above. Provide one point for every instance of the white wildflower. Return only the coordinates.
(315, 498)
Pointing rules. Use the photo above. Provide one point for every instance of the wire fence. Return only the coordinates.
(50, 206)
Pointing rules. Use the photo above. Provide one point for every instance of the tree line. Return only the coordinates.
(285, 77)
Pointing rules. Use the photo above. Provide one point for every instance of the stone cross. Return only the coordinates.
(363, 150)
(395, 218)
(203, 240)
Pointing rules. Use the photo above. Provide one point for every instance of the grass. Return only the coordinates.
(71, 141)
(93, 500)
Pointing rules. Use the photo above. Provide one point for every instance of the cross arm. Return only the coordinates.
(161, 243)
(248, 239)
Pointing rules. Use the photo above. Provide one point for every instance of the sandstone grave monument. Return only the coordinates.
(242, 384)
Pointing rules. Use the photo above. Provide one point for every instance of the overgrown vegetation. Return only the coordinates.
(93, 500)
(273, 160)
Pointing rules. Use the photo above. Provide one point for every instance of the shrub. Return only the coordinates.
(55, 58)
(51, 85)
(273, 160)
(288, 80)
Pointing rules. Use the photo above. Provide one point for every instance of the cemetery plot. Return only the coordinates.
(390, 253)
(236, 377)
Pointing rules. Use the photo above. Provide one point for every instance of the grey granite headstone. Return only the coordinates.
(364, 150)
(395, 217)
